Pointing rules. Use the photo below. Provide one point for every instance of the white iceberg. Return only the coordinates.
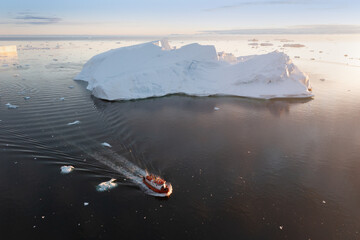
(154, 69)
(104, 186)
(66, 169)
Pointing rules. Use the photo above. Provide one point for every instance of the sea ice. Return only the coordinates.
(10, 106)
(66, 169)
(104, 186)
(155, 69)
(26, 98)
(295, 45)
(266, 44)
(216, 108)
(73, 123)
(105, 144)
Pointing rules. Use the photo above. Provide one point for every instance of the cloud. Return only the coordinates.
(27, 18)
(300, 29)
(259, 3)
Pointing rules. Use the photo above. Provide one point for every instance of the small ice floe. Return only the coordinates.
(295, 45)
(73, 123)
(26, 98)
(216, 108)
(71, 87)
(323, 201)
(86, 203)
(281, 227)
(66, 169)
(105, 144)
(62, 99)
(10, 106)
(266, 44)
(104, 186)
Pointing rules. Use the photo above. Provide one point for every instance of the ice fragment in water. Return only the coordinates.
(104, 186)
(216, 108)
(10, 106)
(105, 144)
(66, 169)
(86, 203)
(62, 99)
(73, 123)
(26, 98)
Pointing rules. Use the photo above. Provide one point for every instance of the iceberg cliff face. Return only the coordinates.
(155, 69)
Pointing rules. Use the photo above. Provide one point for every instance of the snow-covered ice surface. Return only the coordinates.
(66, 169)
(155, 69)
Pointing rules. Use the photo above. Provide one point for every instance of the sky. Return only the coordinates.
(160, 17)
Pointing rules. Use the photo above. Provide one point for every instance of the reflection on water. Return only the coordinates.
(8, 56)
(242, 171)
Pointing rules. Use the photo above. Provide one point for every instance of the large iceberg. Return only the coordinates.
(155, 69)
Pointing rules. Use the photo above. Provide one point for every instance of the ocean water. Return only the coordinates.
(254, 169)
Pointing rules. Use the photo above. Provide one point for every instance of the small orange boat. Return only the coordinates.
(157, 185)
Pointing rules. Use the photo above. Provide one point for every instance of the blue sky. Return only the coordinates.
(159, 17)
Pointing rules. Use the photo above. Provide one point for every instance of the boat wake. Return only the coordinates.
(127, 169)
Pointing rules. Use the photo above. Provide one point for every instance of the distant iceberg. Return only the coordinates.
(156, 69)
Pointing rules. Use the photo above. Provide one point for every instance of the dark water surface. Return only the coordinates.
(254, 169)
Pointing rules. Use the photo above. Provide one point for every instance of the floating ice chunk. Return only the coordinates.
(71, 87)
(66, 169)
(86, 203)
(105, 144)
(10, 106)
(62, 99)
(73, 123)
(216, 108)
(26, 98)
(104, 186)
(296, 45)
(266, 44)
(323, 201)
(150, 70)
(281, 227)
